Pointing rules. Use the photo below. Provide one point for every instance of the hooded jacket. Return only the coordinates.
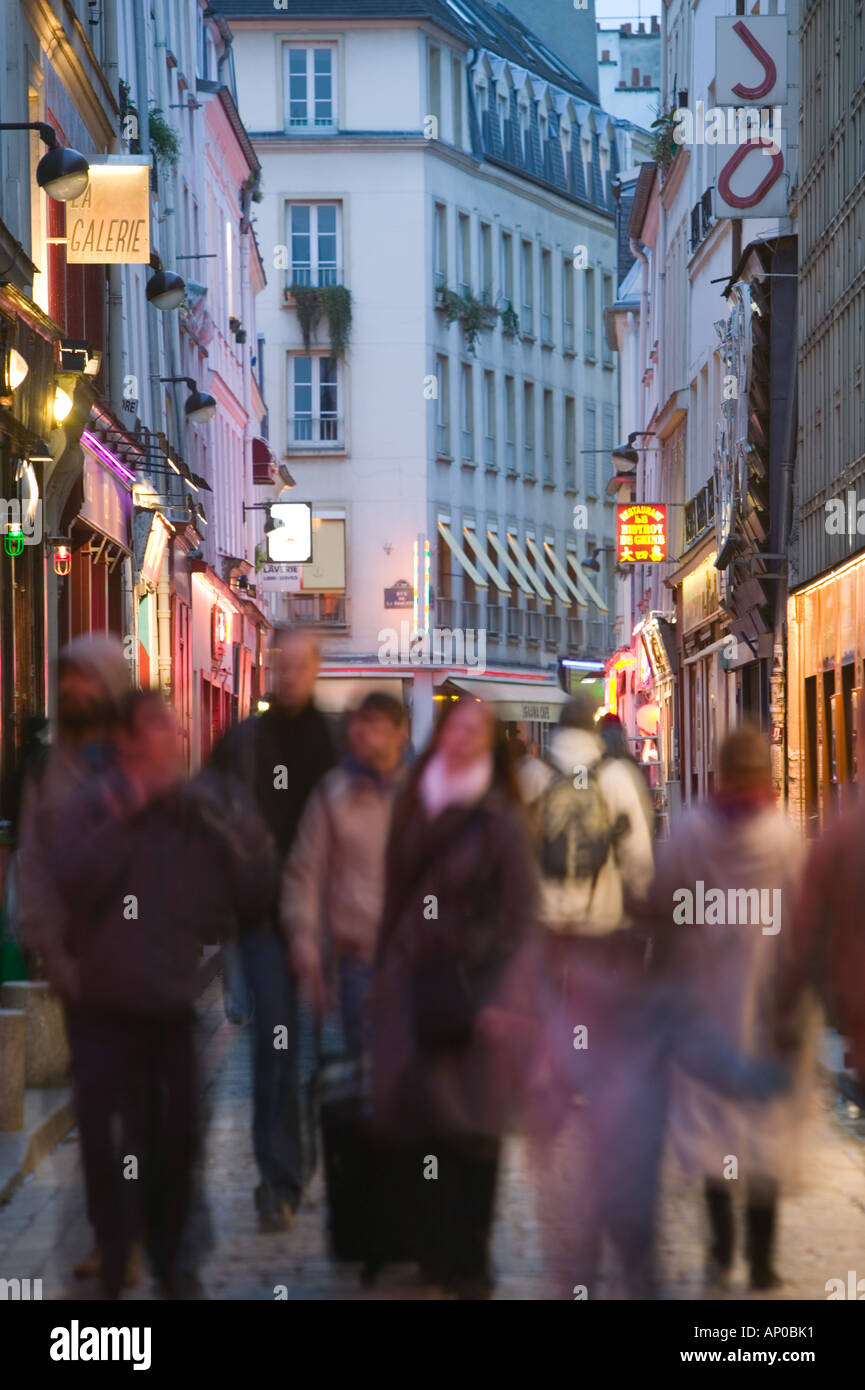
(576, 907)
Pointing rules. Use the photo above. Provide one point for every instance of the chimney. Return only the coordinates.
(642, 27)
(625, 29)
(635, 77)
(647, 79)
(605, 55)
(656, 28)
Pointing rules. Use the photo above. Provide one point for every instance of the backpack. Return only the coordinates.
(576, 829)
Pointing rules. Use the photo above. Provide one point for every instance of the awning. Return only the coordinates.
(586, 583)
(474, 574)
(528, 567)
(541, 560)
(557, 564)
(517, 702)
(264, 464)
(508, 563)
(335, 694)
(485, 560)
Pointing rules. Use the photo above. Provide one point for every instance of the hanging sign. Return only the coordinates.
(110, 223)
(641, 532)
(750, 78)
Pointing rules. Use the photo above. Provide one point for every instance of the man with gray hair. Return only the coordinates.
(280, 756)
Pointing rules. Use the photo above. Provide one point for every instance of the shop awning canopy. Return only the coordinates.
(517, 702)
(336, 694)
(565, 577)
(480, 551)
(473, 573)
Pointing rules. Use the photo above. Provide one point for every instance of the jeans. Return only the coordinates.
(355, 977)
(276, 1108)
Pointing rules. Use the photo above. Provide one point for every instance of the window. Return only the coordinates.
(608, 299)
(524, 134)
(229, 270)
(490, 419)
(443, 425)
(570, 444)
(314, 391)
(589, 309)
(463, 253)
(508, 267)
(590, 467)
(434, 79)
(510, 424)
(503, 116)
(528, 289)
(568, 304)
(467, 414)
(310, 91)
(546, 297)
(440, 246)
(529, 428)
(548, 437)
(457, 95)
(314, 241)
(486, 263)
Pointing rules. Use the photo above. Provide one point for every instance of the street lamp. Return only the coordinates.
(200, 405)
(62, 172)
(165, 290)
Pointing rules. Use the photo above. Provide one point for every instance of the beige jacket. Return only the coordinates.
(333, 881)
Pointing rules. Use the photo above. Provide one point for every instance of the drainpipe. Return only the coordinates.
(637, 250)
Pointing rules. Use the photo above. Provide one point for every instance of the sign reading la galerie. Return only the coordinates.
(641, 532)
(110, 223)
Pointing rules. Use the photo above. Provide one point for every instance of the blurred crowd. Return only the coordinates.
(501, 939)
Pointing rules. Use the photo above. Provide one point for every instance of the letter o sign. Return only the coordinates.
(750, 200)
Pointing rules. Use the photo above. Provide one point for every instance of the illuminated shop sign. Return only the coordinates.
(641, 532)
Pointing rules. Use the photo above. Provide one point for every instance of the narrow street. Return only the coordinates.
(43, 1228)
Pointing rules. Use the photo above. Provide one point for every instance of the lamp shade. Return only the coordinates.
(200, 407)
(40, 452)
(165, 290)
(63, 173)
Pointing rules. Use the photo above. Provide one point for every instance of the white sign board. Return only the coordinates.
(275, 578)
(751, 179)
(291, 542)
(751, 60)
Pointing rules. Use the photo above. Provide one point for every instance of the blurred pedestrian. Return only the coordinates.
(448, 1047)
(279, 756)
(149, 869)
(93, 680)
(333, 882)
(727, 884)
(532, 773)
(612, 733)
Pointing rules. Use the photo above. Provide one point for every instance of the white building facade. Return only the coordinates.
(463, 198)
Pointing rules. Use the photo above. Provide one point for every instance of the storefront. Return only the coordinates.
(94, 595)
(825, 678)
(707, 695)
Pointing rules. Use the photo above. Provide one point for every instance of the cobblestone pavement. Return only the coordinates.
(43, 1227)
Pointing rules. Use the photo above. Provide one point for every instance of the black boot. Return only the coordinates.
(719, 1203)
(760, 1220)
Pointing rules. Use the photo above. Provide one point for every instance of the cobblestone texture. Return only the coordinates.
(43, 1227)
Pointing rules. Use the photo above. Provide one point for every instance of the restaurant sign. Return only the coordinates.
(641, 532)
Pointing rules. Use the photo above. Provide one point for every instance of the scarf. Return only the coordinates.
(441, 786)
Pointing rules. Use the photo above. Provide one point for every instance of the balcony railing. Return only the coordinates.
(529, 461)
(546, 328)
(571, 475)
(598, 636)
(548, 468)
(468, 446)
(510, 456)
(494, 619)
(515, 624)
(319, 610)
(302, 273)
(489, 451)
(445, 612)
(552, 629)
(443, 440)
(700, 512)
(590, 342)
(471, 615)
(701, 219)
(534, 626)
(315, 432)
(309, 123)
(527, 320)
(568, 336)
(574, 633)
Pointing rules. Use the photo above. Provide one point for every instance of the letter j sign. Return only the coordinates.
(751, 75)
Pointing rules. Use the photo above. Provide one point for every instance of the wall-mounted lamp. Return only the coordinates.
(165, 290)
(200, 405)
(62, 172)
(17, 368)
(62, 557)
(63, 404)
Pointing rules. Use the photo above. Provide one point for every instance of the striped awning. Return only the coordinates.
(528, 567)
(480, 551)
(473, 573)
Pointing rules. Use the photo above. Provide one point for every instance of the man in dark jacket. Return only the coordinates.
(148, 869)
(279, 756)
